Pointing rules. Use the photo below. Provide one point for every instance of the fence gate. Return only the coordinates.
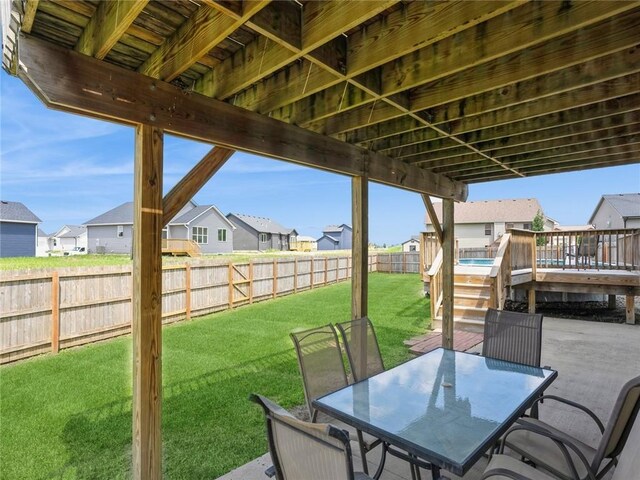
(240, 284)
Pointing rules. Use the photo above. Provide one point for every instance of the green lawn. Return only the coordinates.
(69, 415)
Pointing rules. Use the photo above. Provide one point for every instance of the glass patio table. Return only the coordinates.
(445, 407)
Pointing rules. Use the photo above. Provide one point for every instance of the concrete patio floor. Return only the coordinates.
(593, 361)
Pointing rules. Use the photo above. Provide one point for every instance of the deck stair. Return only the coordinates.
(180, 247)
(471, 298)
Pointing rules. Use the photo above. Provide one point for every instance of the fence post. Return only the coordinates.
(326, 269)
(295, 275)
(250, 281)
(55, 312)
(313, 260)
(187, 291)
(230, 285)
(275, 277)
(404, 262)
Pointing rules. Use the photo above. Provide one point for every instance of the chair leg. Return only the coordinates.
(363, 453)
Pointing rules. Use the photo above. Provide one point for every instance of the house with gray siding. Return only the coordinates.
(336, 237)
(621, 210)
(18, 230)
(260, 233)
(112, 231)
(206, 226)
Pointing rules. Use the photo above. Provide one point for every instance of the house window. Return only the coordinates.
(120, 231)
(509, 226)
(222, 234)
(526, 226)
(263, 238)
(487, 229)
(200, 235)
(412, 248)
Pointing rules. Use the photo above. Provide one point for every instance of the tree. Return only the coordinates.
(537, 225)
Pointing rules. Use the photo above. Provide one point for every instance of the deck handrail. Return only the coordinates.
(187, 246)
(500, 275)
(435, 283)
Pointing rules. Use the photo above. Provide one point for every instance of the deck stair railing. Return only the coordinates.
(500, 275)
(178, 246)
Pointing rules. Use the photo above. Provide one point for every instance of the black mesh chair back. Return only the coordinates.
(513, 336)
(349, 332)
(320, 362)
(303, 450)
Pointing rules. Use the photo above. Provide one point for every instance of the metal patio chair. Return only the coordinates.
(513, 336)
(303, 450)
(374, 358)
(323, 372)
(504, 467)
(564, 456)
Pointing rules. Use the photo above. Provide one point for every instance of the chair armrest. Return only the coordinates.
(572, 404)
(563, 442)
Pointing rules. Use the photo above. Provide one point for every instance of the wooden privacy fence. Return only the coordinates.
(402, 262)
(53, 309)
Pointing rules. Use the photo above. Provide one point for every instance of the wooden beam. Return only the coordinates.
(205, 29)
(147, 304)
(630, 309)
(433, 217)
(448, 258)
(71, 82)
(359, 251)
(106, 26)
(193, 181)
(30, 8)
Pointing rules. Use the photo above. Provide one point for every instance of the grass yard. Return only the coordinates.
(68, 416)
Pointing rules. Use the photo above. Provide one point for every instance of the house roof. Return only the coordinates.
(262, 224)
(412, 239)
(196, 212)
(74, 231)
(16, 212)
(305, 238)
(123, 215)
(336, 228)
(491, 211)
(626, 204)
(570, 228)
(41, 233)
(333, 239)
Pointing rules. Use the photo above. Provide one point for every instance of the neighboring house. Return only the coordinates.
(306, 244)
(68, 238)
(259, 233)
(18, 230)
(206, 226)
(617, 211)
(112, 231)
(336, 237)
(571, 228)
(42, 247)
(479, 224)
(411, 245)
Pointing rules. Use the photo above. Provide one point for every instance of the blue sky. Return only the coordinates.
(68, 169)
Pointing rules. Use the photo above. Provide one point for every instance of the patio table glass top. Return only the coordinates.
(445, 406)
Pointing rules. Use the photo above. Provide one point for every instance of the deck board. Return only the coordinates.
(462, 341)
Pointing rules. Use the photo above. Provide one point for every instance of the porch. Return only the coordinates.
(565, 345)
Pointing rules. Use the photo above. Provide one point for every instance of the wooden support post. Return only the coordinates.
(432, 216)
(187, 291)
(147, 304)
(630, 309)
(295, 275)
(55, 312)
(360, 274)
(532, 300)
(612, 302)
(275, 277)
(448, 255)
(230, 277)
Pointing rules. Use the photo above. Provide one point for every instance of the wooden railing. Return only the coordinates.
(429, 246)
(589, 249)
(500, 275)
(522, 251)
(435, 284)
(178, 246)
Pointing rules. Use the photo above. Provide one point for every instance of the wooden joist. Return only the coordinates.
(76, 83)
